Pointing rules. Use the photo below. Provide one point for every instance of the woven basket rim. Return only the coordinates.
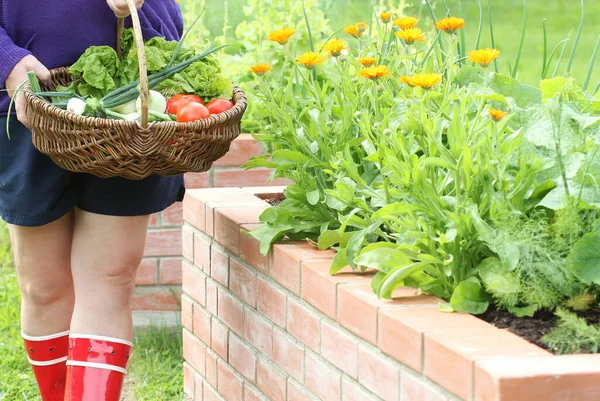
(238, 109)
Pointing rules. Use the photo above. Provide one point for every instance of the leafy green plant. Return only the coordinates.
(573, 335)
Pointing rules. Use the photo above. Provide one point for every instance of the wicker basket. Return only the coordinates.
(130, 149)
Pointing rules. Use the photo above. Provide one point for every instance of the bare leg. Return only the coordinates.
(42, 256)
(105, 255)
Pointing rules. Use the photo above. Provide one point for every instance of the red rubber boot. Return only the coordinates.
(96, 368)
(48, 356)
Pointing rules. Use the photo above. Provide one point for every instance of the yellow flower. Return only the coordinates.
(362, 27)
(310, 59)
(282, 36)
(335, 47)
(367, 61)
(425, 81)
(411, 35)
(353, 31)
(406, 22)
(376, 72)
(497, 115)
(385, 16)
(483, 57)
(261, 69)
(450, 25)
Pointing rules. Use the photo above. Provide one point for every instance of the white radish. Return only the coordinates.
(76, 106)
(156, 102)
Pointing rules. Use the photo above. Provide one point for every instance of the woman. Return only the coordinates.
(77, 239)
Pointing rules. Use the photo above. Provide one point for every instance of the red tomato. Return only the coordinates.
(217, 106)
(177, 101)
(192, 112)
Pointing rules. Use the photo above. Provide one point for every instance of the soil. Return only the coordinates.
(274, 202)
(533, 328)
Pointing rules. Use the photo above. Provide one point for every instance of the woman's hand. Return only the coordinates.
(120, 7)
(17, 76)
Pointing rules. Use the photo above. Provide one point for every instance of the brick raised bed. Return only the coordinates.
(159, 275)
(280, 328)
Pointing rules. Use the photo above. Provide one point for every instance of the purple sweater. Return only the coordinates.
(58, 32)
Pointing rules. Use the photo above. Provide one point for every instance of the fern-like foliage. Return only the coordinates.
(573, 335)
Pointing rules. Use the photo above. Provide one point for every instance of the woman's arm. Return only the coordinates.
(120, 7)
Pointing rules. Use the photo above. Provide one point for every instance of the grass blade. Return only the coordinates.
(545, 61)
(463, 40)
(492, 32)
(480, 28)
(521, 41)
(577, 38)
(560, 58)
(562, 43)
(591, 66)
(447, 8)
(597, 88)
(180, 44)
(434, 18)
(310, 35)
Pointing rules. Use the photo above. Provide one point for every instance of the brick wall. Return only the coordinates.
(159, 275)
(280, 328)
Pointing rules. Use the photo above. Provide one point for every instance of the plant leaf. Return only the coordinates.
(584, 259)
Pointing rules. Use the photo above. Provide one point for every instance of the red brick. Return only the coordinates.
(153, 220)
(271, 302)
(228, 221)
(242, 149)
(173, 216)
(352, 391)
(303, 324)
(202, 324)
(170, 271)
(219, 266)
(358, 307)
(243, 283)
(322, 379)
(340, 349)
(187, 243)
(211, 297)
(287, 257)
(194, 283)
(187, 312)
(267, 192)
(401, 330)
(288, 354)
(164, 242)
(251, 178)
(199, 393)
(378, 374)
(319, 288)
(297, 393)
(219, 340)
(189, 380)
(450, 354)
(210, 394)
(147, 272)
(229, 384)
(251, 393)
(242, 358)
(546, 378)
(194, 352)
(271, 381)
(202, 253)
(258, 331)
(194, 211)
(250, 250)
(156, 299)
(416, 389)
(231, 312)
(233, 201)
(197, 180)
(211, 367)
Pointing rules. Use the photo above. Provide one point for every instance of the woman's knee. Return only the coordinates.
(43, 291)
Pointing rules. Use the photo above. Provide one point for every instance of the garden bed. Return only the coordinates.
(281, 326)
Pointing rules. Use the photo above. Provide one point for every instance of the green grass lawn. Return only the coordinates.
(156, 371)
(561, 16)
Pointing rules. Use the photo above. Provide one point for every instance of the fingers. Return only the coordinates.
(41, 72)
(120, 7)
(21, 107)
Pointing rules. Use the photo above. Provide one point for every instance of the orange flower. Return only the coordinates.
(353, 31)
(425, 81)
(310, 59)
(406, 22)
(335, 47)
(376, 72)
(450, 25)
(362, 27)
(385, 16)
(282, 36)
(483, 57)
(261, 69)
(411, 35)
(497, 115)
(367, 61)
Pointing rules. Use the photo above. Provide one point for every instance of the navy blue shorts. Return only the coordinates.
(34, 191)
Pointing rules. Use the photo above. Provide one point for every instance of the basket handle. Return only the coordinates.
(139, 43)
